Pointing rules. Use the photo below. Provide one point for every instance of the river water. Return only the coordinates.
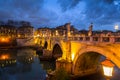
(24, 64)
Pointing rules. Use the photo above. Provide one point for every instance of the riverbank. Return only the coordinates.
(94, 76)
(46, 58)
(62, 72)
(18, 47)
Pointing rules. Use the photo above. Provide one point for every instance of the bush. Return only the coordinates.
(61, 74)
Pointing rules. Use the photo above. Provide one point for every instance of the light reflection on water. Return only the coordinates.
(27, 67)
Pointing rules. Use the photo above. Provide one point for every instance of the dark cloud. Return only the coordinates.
(28, 5)
(109, 1)
(68, 4)
(19, 8)
(57, 12)
(100, 12)
(98, 8)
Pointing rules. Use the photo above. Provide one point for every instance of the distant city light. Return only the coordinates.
(3, 57)
(4, 39)
(38, 35)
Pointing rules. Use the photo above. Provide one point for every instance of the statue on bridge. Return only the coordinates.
(90, 30)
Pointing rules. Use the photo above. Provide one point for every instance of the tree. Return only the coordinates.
(61, 74)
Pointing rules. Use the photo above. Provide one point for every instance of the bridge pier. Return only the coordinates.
(47, 53)
(68, 66)
(64, 64)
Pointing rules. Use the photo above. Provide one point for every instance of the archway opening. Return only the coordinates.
(45, 45)
(40, 43)
(88, 60)
(89, 63)
(57, 51)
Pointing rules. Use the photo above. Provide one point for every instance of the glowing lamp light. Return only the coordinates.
(72, 57)
(34, 36)
(43, 35)
(35, 41)
(3, 57)
(3, 39)
(56, 32)
(19, 35)
(38, 35)
(108, 71)
(107, 67)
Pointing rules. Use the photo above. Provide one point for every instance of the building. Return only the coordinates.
(25, 31)
(7, 35)
(43, 32)
(8, 31)
(66, 29)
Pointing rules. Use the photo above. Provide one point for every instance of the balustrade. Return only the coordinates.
(104, 39)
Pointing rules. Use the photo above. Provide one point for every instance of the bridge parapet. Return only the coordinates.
(104, 39)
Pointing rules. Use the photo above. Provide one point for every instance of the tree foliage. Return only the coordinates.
(61, 74)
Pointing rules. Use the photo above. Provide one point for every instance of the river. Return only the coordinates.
(24, 64)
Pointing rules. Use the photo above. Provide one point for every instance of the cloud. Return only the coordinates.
(19, 8)
(68, 4)
(100, 12)
(58, 12)
(27, 10)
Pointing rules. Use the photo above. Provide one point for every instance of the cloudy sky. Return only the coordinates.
(104, 14)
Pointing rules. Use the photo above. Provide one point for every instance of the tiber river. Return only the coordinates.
(24, 64)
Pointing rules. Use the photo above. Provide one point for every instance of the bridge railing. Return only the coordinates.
(109, 39)
(104, 39)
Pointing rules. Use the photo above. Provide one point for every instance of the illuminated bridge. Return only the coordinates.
(80, 53)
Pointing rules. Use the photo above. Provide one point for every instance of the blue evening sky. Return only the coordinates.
(104, 14)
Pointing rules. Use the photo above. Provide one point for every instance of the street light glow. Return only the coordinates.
(108, 70)
(3, 57)
(4, 39)
(107, 67)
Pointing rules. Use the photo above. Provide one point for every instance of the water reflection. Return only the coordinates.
(21, 65)
(48, 65)
(7, 58)
(24, 64)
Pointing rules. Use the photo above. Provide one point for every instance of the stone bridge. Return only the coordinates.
(76, 52)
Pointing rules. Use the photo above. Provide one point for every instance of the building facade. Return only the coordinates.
(25, 32)
(8, 31)
(43, 32)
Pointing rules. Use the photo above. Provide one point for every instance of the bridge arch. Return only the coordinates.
(40, 42)
(57, 51)
(45, 45)
(99, 50)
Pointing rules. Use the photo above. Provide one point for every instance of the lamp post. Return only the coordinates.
(107, 68)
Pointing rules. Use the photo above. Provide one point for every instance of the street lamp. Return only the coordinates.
(107, 68)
